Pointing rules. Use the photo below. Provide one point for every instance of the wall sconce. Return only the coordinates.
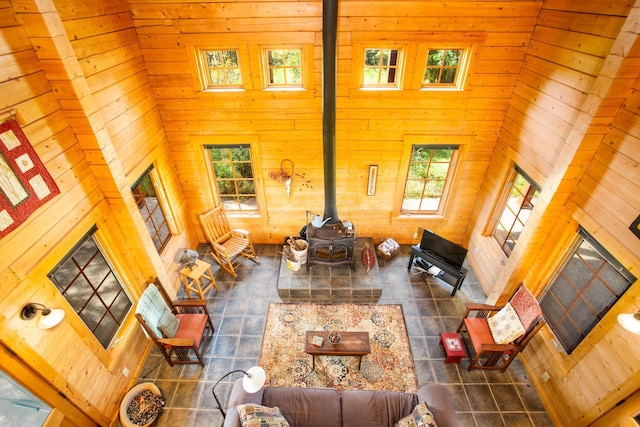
(631, 322)
(188, 258)
(48, 319)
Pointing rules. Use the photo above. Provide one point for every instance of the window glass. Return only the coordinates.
(92, 288)
(381, 67)
(221, 68)
(150, 208)
(233, 173)
(522, 197)
(587, 286)
(284, 67)
(442, 67)
(427, 178)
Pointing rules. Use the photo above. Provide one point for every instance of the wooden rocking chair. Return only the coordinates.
(485, 352)
(230, 247)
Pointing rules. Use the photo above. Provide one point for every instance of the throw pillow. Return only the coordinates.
(261, 416)
(421, 416)
(505, 325)
(168, 324)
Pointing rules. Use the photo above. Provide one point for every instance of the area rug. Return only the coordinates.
(389, 366)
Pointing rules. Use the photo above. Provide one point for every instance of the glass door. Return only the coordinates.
(18, 407)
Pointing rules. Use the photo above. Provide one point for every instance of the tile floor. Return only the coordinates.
(239, 310)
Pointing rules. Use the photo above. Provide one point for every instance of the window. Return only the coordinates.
(521, 197)
(233, 173)
(428, 177)
(381, 68)
(284, 67)
(444, 68)
(586, 287)
(87, 280)
(148, 203)
(220, 69)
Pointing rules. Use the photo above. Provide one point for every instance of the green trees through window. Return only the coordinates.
(442, 67)
(427, 178)
(284, 67)
(234, 176)
(381, 67)
(222, 68)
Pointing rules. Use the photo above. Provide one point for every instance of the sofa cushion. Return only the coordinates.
(421, 416)
(191, 327)
(310, 407)
(252, 415)
(369, 408)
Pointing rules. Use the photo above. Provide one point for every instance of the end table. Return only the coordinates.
(192, 278)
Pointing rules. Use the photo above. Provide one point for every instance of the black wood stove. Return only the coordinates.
(331, 244)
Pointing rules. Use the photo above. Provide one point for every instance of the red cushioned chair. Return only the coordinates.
(176, 327)
(484, 352)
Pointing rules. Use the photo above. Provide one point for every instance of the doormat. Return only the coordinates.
(389, 366)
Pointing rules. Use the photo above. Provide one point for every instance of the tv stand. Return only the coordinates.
(449, 274)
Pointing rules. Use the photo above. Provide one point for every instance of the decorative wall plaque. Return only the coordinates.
(25, 184)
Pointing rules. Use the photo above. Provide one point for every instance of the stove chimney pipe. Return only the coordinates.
(329, 71)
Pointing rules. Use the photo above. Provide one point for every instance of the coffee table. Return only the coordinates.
(352, 344)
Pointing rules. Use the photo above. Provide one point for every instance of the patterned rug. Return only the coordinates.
(388, 367)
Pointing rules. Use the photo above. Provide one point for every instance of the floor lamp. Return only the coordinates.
(252, 382)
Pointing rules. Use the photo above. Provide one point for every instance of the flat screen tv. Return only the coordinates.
(451, 253)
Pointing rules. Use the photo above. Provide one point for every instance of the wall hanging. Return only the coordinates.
(283, 176)
(25, 184)
(373, 178)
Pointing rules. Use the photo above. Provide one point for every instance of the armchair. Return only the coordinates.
(176, 327)
(229, 246)
(479, 329)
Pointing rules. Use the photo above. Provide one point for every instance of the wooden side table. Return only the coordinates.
(192, 278)
(453, 348)
(352, 344)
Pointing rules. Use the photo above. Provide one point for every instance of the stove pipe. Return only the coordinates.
(329, 71)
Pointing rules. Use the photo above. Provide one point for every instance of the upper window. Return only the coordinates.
(233, 173)
(444, 68)
(90, 285)
(145, 194)
(283, 68)
(221, 68)
(522, 195)
(428, 177)
(587, 286)
(381, 68)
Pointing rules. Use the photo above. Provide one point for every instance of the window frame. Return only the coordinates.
(306, 68)
(200, 68)
(358, 65)
(234, 141)
(580, 236)
(460, 68)
(163, 205)
(503, 204)
(456, 144)
(399, 69)
(464, 70)
(93, 234)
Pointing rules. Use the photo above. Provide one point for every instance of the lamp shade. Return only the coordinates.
(253, 381)
(51, 319)
(631, 322)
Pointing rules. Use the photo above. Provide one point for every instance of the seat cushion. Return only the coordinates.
(305, 407)
(479, 332)
(375, 408)
(191, 326)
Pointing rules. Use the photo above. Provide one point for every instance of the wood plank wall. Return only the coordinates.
(76, 76)
(578, 77)
(372, 127)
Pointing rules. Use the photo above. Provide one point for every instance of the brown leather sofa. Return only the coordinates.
(326, 407)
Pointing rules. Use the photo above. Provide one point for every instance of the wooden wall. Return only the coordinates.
(75, 74)
(107, 89)
(571, 125)
(373, 127)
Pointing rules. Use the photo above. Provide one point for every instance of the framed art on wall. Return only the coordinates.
(373, 178)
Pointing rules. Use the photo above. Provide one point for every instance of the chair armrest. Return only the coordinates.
(190, 303)
(219, 248)
(479, 306)
(177, 342)
(240, 232)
